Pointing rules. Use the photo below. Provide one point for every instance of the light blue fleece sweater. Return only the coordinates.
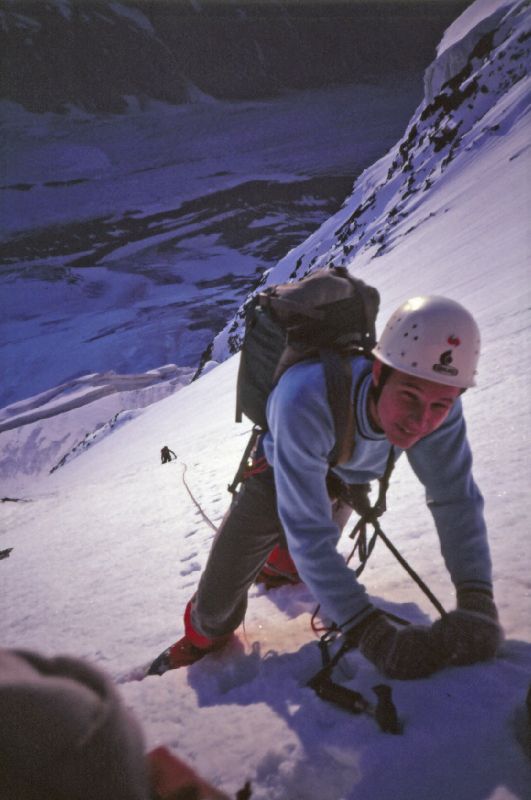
(300, 437)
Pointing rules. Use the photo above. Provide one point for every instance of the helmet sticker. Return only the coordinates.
(444, 365)
(455, 341)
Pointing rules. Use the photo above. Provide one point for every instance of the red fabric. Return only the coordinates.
(197, 639)
(183, 653)
(258, 465)
(280, 561)
(171, 777)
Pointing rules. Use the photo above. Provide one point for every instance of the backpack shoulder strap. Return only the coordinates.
(338, 375)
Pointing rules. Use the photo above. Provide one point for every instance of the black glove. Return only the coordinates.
(470, 633)
(403, 653)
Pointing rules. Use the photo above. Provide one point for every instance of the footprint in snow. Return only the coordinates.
(192, 567)
(189, 556)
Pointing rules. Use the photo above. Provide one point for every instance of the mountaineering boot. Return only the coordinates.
(181, 654)
(279, 569)
(187, 650)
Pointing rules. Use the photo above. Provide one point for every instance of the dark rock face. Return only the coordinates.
(94, 54)
(82, 54)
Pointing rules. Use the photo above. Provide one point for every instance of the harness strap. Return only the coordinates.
(338, 376)
(258, 466)
(359, 532)
(242, 471)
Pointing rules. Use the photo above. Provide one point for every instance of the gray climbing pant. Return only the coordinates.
(244, 540)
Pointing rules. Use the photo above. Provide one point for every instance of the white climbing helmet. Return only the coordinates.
(433, 338)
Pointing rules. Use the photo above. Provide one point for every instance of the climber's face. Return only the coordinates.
(410, 408)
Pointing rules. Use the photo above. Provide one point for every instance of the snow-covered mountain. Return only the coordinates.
(476, 91)
(108, 548)
(102, 56)
(127, 240)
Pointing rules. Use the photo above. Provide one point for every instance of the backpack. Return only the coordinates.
(329, 315)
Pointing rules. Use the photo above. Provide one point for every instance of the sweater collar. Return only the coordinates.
(362, 414)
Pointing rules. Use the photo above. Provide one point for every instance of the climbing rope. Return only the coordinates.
(195, 502)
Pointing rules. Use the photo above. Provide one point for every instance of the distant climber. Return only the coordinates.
(166, 455)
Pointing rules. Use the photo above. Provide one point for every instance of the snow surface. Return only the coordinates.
(477, 14)
(108, 548)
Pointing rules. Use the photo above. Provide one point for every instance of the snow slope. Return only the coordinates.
(108, 548)
(45, 431)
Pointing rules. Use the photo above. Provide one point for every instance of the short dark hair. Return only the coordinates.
(385, 374)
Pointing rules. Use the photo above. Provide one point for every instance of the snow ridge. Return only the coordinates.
(95, 436)
(44, 432)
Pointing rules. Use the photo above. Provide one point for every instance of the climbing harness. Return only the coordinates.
(246, 467)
